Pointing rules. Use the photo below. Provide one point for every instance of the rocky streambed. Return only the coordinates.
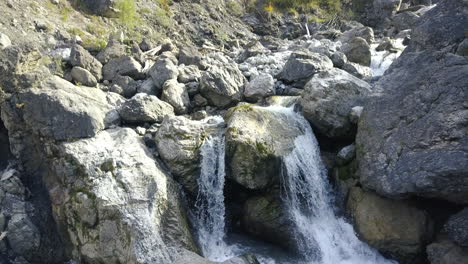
(347, 145)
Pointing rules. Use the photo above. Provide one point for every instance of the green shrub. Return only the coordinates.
(127, 12)
(324, 9)
(234, 7)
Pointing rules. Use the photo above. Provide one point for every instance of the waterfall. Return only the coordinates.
(381, 60)
(324, 237)
(210, 209)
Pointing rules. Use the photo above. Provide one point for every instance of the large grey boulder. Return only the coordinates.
(144, 108)
(328, 99)
(60, 110)
(124, 66)
(222, 85)
(302, 65)
(22, 67)
(397, 229)
(178, 142)
(266, 218)
(441, 27)
(405, 20)
(366, 33)
(456, 228)
(259, 87)
(162, 71)
(190, 55)
(82, 58)
(176, 94)
(21, 234)
(411, 138)
(113, 50)
(114, 203)
(381, 11)
(101, 7)
(256, 139)
(446, 252)
(357, 50)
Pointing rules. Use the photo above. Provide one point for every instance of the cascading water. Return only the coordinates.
(381, 60)
(323, 237)
(210, 209)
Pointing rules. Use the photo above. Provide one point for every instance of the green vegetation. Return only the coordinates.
(127, 13)
(318, 10)
(234, 7)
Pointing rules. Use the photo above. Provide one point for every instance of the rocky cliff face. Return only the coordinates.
(100, 142)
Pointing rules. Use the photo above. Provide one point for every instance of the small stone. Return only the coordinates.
(83, 77)
(5, 41)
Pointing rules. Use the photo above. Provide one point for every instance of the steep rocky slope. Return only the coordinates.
(106, 113)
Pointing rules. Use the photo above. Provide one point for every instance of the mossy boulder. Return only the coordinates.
(398, 229)
(256, 139)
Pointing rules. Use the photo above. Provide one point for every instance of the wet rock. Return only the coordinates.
(222, 85)
(397, 229)
(446, 252)
(346, 154)
(77, 112)
(328, 99)
(82, 58)
(83, 77)
(124, 66)
(176, 95)
(178, 141)
(382, 10)
(256, 139)
(143, 108)
(358, 51)
(115, 194)
(386, 44)
(456, 228)
(259, 87)
(302, 65)
(162, 71)
(265, 218)
(357, 70)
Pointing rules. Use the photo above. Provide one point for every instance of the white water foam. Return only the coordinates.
(210, 209)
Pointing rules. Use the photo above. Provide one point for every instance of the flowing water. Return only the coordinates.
(210, 210)
(381, 60)
(324, 237)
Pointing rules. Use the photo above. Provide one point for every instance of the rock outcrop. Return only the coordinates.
(256, 139)
(328, 99)
(411, 137)
(178, 141)
(397, 229)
